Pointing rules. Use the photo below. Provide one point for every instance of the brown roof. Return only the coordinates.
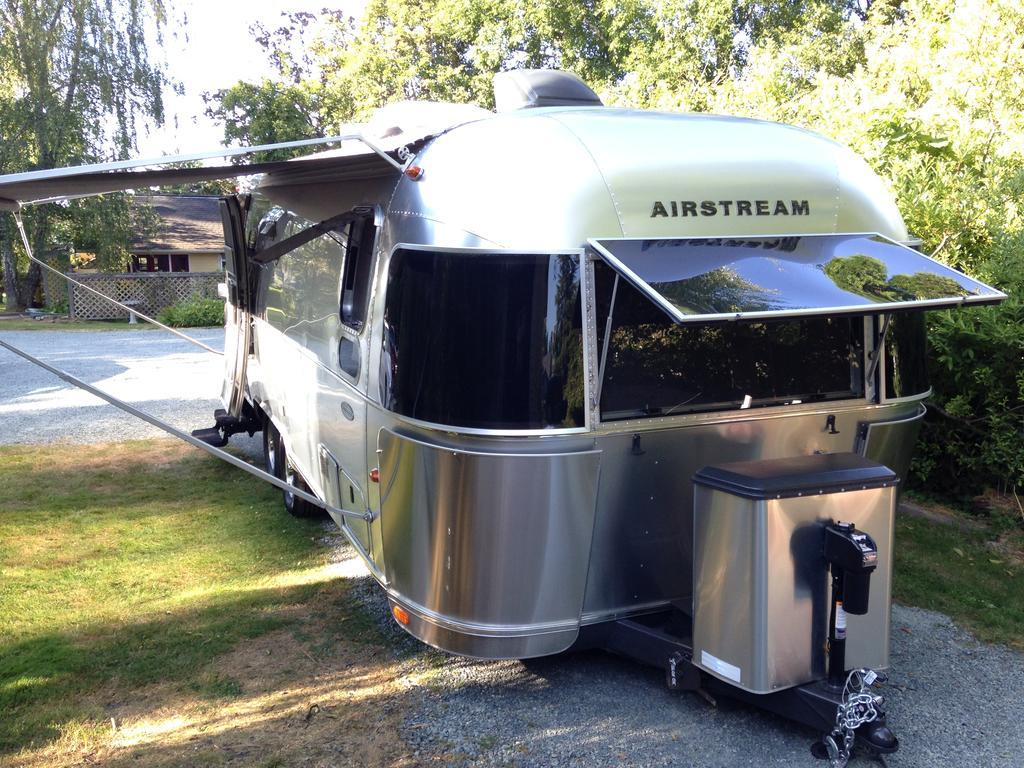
(187, 223)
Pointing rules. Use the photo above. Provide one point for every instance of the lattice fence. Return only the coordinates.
(149, 292)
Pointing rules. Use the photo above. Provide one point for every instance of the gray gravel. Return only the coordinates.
(153, 370)
(952, 700)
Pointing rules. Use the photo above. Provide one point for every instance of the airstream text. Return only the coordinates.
(677, 208)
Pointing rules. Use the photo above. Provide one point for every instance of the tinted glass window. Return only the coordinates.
(657, 368)
(906, 372)
(302, 299)
(484, 340)
(358, 236)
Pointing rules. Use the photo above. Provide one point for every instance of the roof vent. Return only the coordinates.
(528, 88)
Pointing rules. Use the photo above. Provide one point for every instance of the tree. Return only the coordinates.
(75, 78)
(636, 52)
(266, 113)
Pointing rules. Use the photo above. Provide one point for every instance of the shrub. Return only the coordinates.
(193, 313)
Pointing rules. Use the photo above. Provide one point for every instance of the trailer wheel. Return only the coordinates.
(275, 457)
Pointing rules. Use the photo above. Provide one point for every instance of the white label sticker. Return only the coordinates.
(724, 668)
(840, 622)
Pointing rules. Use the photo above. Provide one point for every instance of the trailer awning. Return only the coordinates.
(709, 279)
(18, 189)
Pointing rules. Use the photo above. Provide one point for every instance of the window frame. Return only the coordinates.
(585, 320)
(592, 359)
(369, 217)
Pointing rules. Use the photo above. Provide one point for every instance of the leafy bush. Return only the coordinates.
(193, 313)
(973, 437)
(942, 120)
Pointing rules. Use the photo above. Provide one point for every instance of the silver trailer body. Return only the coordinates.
(500, 541)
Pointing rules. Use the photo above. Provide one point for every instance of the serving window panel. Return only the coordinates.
(655, 367)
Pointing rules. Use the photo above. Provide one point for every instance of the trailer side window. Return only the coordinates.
(358, 236)
(655, 367)
(302, 291)
(484, 340)
(906, 373)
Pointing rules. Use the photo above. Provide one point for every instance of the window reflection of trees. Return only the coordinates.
(721, 290)
(564, 401)
(868, 276)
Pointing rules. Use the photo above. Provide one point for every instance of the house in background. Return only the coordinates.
(189, 236)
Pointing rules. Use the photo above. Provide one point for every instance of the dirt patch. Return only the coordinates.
(1011, 547)
(937, 513)
(270, 702)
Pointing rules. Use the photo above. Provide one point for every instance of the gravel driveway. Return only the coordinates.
(153, 370)
(952, 700)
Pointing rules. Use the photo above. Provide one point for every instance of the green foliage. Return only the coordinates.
(266, 113)
(194, 313)
(74, 80)
(639, 52)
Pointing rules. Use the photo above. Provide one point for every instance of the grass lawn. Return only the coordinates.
(971, 569)
(158, 606)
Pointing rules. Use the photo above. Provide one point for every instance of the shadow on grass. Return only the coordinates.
(45, 680)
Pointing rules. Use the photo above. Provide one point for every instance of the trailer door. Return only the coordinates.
(237, 308)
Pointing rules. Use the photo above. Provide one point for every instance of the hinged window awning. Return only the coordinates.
(709, 279)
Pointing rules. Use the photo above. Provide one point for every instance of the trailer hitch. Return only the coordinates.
(852, 556)
(860, 719)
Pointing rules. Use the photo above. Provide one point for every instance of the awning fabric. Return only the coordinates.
(713, 279)
(19, 189)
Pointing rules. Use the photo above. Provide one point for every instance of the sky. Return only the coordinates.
(207, 46)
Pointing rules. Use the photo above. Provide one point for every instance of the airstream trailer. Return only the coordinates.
(571, 376)
(605, 378)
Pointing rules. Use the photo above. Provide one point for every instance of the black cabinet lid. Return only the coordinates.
(797, 476)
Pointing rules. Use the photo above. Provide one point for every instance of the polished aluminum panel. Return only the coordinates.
(761, 601)
(554, 177)
(706, 279)
(495, 543)
(890, 442)
(643, 535)
(483, 642)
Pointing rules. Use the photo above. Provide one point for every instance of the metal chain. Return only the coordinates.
(856, 708)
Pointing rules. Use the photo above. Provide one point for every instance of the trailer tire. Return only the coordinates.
(275, 457)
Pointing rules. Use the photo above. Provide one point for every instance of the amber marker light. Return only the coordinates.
(414, 172)
(401, 615)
